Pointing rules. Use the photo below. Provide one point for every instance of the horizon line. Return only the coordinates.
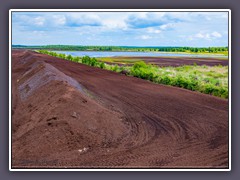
(117, 46)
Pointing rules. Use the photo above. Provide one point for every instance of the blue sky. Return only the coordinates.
(197, 29)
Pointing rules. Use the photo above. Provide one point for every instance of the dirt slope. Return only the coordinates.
(66, 114)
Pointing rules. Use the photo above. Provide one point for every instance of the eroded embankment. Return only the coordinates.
(68, 114)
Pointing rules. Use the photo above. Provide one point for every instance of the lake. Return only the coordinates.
(140, 54)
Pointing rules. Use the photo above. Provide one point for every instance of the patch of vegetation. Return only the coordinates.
(204, 79)
(62, 56)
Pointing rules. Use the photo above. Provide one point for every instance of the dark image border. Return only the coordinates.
(5, 5)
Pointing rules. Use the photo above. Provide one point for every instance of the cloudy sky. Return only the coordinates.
(198, 29)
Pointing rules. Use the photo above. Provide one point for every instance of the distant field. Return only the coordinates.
(120, 60)
(166, 61)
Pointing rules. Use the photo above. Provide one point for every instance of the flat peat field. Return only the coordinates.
(167, 61)
(69, 115)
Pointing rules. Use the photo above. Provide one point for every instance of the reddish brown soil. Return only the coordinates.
(177, 61)
(66, 114)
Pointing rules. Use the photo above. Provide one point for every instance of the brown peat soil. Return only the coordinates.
(70, 115)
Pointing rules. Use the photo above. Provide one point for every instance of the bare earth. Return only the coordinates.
(70, 115)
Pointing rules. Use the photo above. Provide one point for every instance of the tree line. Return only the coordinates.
(126, 48)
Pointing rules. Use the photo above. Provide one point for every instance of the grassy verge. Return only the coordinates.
(204, 79)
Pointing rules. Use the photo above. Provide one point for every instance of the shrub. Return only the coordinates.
(93, 61)
(86, 60)
(115, 68)
(76, 59)
(140, 64)
(209, 88)
(102, 65)
(165, 80)
(69, 57)
(62, 56)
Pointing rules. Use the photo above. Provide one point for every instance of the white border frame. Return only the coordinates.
(117, 10)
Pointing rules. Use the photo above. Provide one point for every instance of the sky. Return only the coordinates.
(195, 29)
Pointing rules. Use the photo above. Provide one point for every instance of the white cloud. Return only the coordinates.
(167, 26)
(199, 35)
(153, 30)
(59, 19)
(216, 34)
(113, 24)
(39, 21)
(39, 33)
(206, 36)
(145, 37)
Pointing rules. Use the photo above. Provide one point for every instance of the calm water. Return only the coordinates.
(112, 54)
